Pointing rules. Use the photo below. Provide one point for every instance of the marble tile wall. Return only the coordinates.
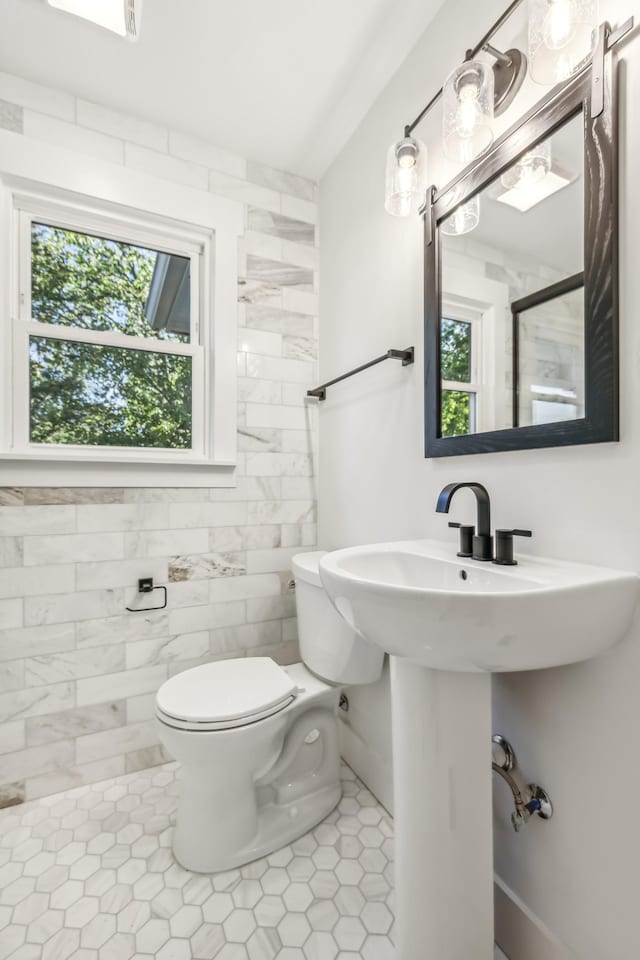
(78, 674)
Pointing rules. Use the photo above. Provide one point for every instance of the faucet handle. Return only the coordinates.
(504, 546)
(467, 532)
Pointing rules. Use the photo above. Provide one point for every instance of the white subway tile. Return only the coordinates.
(242, 190)
(11, 552)
(186, 646)
(128, 683)
(66, 778)
(300, 301)
(259, 391)
(195, 619)
(266, 561)
(29, 581)
(165, 166)
(121, 629)
(11, 614)
(188, 593)
(270, 608)
(18, 521)
(36, 641)
(243, 588)
(300, 254)
(259, 342)
(74, 723)
(142, 707)
(279, 464)
(97, 746)
(122, 125)
(204, 515)
(168, 543)
(78, 548)
(73, 606)
(37, 760)
(120, 573)
(207, 154)
(36, 701)
(299, 209)
(69, 135)
(280, 180)
(299, 488)
(273, 368)
(261, 245)
(45, 99)
(12, 737)
(282, 511)
(239, 639)
(11, 675)
(73, 665)
(272, 415)
(123, 516)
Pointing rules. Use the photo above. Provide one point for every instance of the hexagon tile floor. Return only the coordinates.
(88, 875)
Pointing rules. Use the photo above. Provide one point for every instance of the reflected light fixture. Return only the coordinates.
(560, 37)
(523, 198)
(406, 177)
(464, 218)
(120, 16)
(530, 169)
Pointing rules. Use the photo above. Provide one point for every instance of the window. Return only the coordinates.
(108, 354)
(459, 365)
(118, 317)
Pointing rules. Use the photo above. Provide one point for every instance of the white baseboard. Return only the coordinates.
(519, 933)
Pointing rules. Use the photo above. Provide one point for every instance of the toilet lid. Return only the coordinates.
(227, 692)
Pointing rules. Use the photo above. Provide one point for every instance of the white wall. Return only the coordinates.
(575, 729)
(78, 674)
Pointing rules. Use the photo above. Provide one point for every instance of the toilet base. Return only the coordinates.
(278, 825)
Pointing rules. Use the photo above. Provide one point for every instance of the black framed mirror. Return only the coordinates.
(521, 312)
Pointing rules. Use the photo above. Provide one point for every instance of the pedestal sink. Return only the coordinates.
(448, 624)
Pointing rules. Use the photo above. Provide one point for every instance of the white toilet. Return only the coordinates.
(258, 742)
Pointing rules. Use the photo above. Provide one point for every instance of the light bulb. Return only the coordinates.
(467, 115)
(559, 24)
(464, 219)
(530, 169)
(405, 177)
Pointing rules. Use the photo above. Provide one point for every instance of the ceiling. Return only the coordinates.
(282, 82)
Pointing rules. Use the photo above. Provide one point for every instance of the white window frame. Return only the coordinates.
(462, 314)
(59, 187)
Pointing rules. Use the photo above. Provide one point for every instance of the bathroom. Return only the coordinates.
(280, 185)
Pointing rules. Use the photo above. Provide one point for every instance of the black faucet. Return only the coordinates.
(481, 542)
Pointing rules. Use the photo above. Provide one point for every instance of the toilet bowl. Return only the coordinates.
(257, 742)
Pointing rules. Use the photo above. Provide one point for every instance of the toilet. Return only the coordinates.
(257, 742)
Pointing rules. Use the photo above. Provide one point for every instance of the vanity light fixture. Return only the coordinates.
(473, 94)
(532, 167)
(406, 177)
(464, 219)
(559, 37)
(120, 16)
(524, 196)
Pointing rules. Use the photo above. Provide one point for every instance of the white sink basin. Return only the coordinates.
(417, 600)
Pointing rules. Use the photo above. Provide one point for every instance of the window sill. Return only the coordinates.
(35, 470)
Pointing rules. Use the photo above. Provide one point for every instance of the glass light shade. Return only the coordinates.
(464, 219)
(560, 37)
(467, 111)
(406, 177)
(120, 16)
(530, 169)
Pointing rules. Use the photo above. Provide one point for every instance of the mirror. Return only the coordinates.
(520, 331)
(528, 236)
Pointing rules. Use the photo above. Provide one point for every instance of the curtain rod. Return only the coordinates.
(470, 54)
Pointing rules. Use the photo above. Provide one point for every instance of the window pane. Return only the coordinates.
(458, 413)
(455, 350)
(78, 280)
(108, 396)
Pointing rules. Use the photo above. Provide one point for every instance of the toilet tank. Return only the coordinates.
(328, 646)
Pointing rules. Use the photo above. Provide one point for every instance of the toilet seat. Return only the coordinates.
(225, 694)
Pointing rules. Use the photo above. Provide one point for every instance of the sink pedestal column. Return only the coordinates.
(443, 813)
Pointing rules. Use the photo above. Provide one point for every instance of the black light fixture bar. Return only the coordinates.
(407, 356)
(470, 54)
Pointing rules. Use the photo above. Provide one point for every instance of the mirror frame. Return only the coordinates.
(600, 423)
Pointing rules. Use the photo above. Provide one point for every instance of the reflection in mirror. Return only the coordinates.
(548, 354)
(506, 256)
